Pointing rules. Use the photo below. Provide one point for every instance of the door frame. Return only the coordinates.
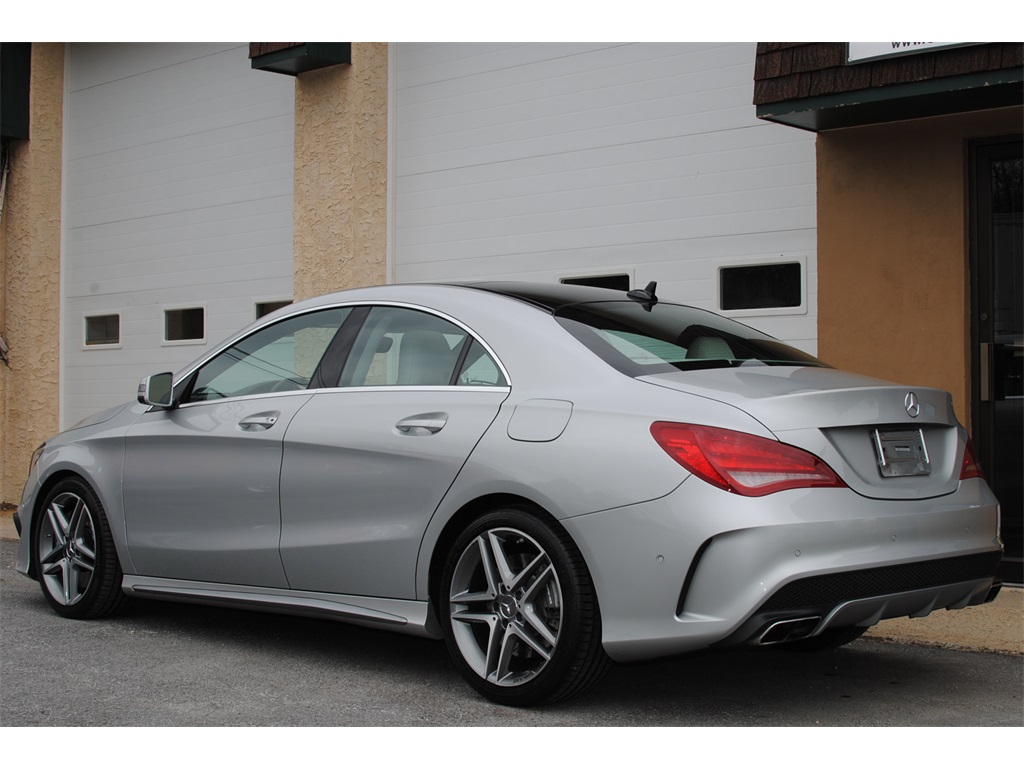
(981, 151)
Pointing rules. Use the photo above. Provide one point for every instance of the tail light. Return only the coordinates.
(970, 467)
(742, 463)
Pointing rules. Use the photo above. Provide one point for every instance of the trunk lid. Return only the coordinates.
(862, 427)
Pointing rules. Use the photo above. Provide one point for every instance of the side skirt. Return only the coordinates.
(410, 617)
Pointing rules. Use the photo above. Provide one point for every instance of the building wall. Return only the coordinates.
(561, 160)
(893, 247)
(341, 167)
(30, 247)
(907, 179)
(179, 180)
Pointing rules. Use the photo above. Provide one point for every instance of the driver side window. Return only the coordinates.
(279, 358)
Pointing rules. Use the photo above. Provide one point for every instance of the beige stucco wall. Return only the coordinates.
(893, 248)
(341, 152)
(30, 252)
(340, 222)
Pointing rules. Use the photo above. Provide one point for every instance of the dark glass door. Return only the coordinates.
(997, 264)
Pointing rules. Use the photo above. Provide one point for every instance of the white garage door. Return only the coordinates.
(178, 209)
(549, 161)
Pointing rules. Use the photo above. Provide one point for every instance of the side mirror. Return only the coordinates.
(157, 390)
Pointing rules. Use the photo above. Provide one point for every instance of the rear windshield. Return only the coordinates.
(670, 337)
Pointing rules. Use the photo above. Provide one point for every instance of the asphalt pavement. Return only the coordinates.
(164, 664)
(997, 627)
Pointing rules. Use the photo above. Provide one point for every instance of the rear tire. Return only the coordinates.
(519, 612)
(75, 556)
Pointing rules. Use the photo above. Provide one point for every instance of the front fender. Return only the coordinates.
(96, 454)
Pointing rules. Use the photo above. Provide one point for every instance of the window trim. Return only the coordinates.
(165, 342)
(184, 379)
(85, 331)
(762, 261)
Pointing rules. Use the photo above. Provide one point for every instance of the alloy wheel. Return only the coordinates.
(67, 548)
(506, 606)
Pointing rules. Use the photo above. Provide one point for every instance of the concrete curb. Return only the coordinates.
(997, 627)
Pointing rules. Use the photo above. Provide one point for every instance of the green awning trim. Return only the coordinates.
(304, 58)
(905, 101)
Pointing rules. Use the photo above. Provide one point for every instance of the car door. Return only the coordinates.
(366, 464)
(202, 480)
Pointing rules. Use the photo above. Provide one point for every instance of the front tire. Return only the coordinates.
(76, 561)
(519, 612)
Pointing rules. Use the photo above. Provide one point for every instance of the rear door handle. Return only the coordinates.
(259, 421)
(422, 423)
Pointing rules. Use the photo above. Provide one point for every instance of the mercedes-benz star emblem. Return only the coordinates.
(912, 405)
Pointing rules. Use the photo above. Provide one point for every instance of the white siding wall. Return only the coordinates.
(552, 160)
(178, 177)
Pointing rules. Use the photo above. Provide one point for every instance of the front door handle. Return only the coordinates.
(258, 421)
(422, 423)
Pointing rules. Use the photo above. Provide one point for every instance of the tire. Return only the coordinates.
(75, 556)
(519, 612)
(828, 640)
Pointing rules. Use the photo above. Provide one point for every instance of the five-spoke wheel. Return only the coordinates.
(75, 557)
(506, 606)
(520, 615)
(67, 548)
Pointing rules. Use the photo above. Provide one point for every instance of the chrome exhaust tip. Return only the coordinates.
(788, 630)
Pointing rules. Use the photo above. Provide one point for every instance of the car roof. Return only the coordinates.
(548, 296)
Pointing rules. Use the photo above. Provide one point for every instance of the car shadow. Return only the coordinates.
(866, 683)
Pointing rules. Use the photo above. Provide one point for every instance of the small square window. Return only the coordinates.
(102, 330)
(264, 308)
(185, 324)
(760, 286)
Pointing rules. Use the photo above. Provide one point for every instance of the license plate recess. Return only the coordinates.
(901, 452)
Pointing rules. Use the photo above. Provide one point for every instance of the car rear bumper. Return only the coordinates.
(701, 567)
(808, 607)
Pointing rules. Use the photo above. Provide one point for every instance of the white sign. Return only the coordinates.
(866, 51)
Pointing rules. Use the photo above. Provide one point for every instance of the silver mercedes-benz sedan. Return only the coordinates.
(548, 477)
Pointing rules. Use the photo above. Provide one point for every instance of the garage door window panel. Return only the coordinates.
(103, 330)
(185, 326)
